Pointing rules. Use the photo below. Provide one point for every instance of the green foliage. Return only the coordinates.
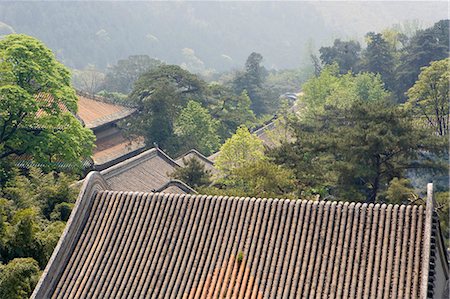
(400, 191)
(193, 173)
(263, 178)
(351, 141)
(195, 128)
(240, 257)
(424, 47)
(244, 170)
(429, 97)
(345, 53)
(443, 208)
(159, 96)
(378, 58)
(231, 110)
(22, 242)
(31, 208)
(238, 151)
(35, 94)
(121, 76)
(330, 88)
(61, 211)
(18, 278)
(46, 239)
(252, 80)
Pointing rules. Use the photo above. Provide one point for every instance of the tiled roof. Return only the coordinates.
(145, 172)
(154, 245)
(115, 147)
(176, 187)
(96, 113)
(47, 100)
(209, 165)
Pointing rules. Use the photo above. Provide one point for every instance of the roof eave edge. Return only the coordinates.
(427, 242)
(93, 183)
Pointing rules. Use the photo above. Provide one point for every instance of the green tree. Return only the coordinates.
(159, 95)
(196, 128)
(30, 210)
(379, 58)
(263, 178)
(121, 76)
(238, 151)
(331, 88)
(18, 278)
(443, 209)
(400, 191)
(37, 105)
(193, 173)
(252, 80)
(351, 140)
(356, 151)
(23, 243)
(424, 47)
(231, 110)
(62, 211)
(345, 53)
(429, 97)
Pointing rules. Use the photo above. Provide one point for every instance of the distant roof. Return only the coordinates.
(175, 186)
(114, 149)
(127, 245)
(95, 113)
(145, 172)
(193, 153)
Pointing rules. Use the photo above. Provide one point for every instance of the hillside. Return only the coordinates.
(220, 34)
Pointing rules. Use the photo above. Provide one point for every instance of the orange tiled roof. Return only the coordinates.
(96, 113)
(114, 148)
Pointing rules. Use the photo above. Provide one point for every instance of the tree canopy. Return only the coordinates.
(230, 109)
(351, 140)
(37, 105)
(252, 80)
(239, 150)
(159, 95)
(428, 99)
(378, 58)
(193, 173)
(345, 53)
(424, 47)
(195, 128)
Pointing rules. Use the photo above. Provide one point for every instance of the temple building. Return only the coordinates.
(123, 244)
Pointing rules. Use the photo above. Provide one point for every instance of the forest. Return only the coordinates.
(370, 124)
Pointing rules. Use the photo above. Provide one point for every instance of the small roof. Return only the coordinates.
(96, 113)
(128, 244)
(145, 172)
(193, 153)
(176, 187)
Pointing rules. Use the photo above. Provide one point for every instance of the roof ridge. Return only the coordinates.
(92, 184)
(125, 165)
(193, 150)
(253, 198)
(174, 182)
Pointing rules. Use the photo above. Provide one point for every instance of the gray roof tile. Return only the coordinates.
(129, 244)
